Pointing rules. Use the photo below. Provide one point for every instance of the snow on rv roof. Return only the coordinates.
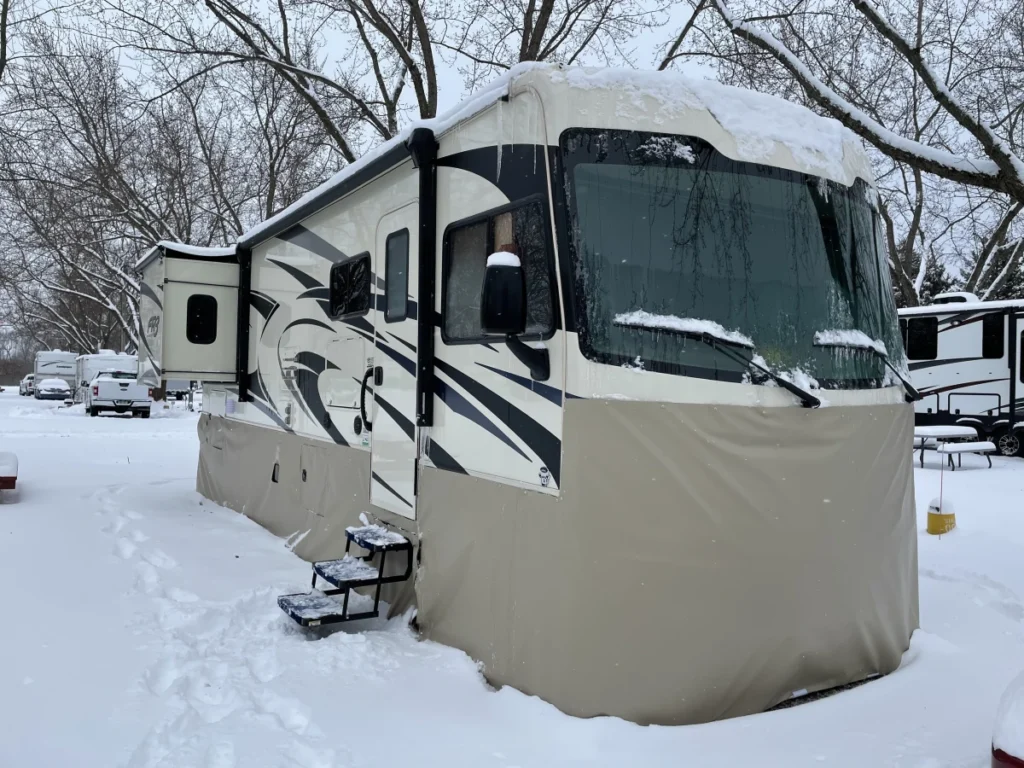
(189, 250)
(756, 121)
(956, 307)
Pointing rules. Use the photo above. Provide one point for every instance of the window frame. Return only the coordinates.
(188, 319)
(539, 199)
(388, 318)
(931, 319)
(330, 282)
(987, 320)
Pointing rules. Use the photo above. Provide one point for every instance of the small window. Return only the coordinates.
(350, 287)
(396, 277)
(275, 476)
(201, 319)
(923, 338)
(993, 340)
(521, 231)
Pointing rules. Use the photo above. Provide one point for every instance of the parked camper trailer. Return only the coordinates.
(56, 364)
(571, 342)
(87, 367)
(965, 358)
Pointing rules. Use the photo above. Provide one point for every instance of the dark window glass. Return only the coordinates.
(923, 338)
(396, 277)
(521, 231)
(663, 228)
(201, 319)
(993, 340)
(903, 332)
(350, 287)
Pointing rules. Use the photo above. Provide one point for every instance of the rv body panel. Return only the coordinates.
(188, 313)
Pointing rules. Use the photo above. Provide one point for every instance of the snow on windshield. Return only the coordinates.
(642, 319)
(849, 338)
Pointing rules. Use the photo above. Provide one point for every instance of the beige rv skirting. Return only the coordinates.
(702, 561)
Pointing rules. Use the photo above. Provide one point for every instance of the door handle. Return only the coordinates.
(378, 376)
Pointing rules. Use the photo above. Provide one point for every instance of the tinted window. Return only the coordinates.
(993, 341)
(521, 231)
(350, 287)
(923, 338)
(396, 277)
(201, 319)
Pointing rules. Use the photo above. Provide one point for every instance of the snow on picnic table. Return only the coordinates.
(141, 631)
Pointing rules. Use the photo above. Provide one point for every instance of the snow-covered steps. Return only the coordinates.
(316, 608)
(312, 609)
(349, 572)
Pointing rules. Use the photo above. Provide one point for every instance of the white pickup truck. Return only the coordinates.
(119, 392)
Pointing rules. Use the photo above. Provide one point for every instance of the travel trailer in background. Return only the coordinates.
(87, 367)
(56, 364)
(567, 350)
(965, 359)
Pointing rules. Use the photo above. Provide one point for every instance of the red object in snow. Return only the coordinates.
(8, 471)
(1001, 759)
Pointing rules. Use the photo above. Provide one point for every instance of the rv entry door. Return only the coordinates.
(391, 374)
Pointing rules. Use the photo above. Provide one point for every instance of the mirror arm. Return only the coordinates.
(537, 360)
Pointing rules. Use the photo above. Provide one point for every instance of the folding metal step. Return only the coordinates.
(376, 538)
(347, 573)
(315, 609)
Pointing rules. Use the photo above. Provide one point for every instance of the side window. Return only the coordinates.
(993, 341)
(350, 287)
(521, 231)
(201, 319)
(396, 277)
(923, 338)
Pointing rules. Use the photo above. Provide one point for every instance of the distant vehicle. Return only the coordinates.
(27, 385)
(965, 359)
(56, 364)
(53, 389)
(177, 388)
(118, 391)
(88, 367)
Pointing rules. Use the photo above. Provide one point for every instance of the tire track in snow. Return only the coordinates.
(217, 664)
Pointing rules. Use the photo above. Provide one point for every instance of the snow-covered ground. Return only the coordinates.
(140, 630)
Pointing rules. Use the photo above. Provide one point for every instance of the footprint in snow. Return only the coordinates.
(124, 549)
(221, 755)
(181, 595)
(146, 578)
(139, 537)
(114, 527)
(160, 559)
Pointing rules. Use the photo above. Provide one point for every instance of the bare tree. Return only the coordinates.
(900, 75)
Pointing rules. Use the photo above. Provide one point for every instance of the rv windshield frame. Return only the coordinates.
(800, 254)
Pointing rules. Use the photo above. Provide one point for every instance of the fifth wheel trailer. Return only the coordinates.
(965, 358)
(631, 500)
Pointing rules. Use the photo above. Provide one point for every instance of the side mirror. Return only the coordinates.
(503, 308)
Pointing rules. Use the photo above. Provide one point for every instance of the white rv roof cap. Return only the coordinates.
(198, 251)
(952, 308)
(757, 122)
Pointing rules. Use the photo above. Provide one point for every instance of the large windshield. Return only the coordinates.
(666, 225)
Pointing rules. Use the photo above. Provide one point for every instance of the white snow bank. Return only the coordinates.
(503, 259)
(757, 122)
(8, 464)
(1009, 732)
(849, 338)
(641, 319)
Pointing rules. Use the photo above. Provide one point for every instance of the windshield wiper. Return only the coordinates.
(727, 347)
(910, 392)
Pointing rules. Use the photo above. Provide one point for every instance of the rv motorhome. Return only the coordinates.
(87, 367)
(56, 364)
(612, 356)
(965, 359)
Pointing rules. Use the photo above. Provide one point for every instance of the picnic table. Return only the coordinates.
(942, 437)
